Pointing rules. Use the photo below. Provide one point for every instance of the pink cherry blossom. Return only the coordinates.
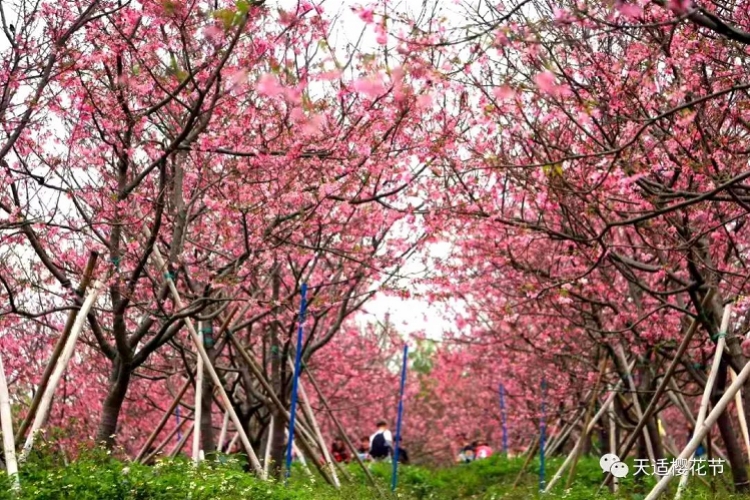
(366, 14)
(545, 81)
(269, 86)
(371, 86)
(503, 92)
(629, 10)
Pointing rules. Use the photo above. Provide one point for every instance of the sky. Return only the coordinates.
(410, 315)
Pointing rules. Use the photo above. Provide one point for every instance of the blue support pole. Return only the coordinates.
(177, 418)
(503, 419)
(542, 437)
(295, 379)
(394, 478)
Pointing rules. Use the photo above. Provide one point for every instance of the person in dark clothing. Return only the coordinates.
(381, 443)
(465, 451)
(364, 448)
(339, 451)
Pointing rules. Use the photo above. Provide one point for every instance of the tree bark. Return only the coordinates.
(208, 439)
(278, 439)
(118, 388)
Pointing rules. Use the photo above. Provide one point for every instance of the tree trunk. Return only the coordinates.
(653, 432)
(278, 448)
(118, 388)
(278, 445)
(648, 386)
(208, 439)
(734, 450)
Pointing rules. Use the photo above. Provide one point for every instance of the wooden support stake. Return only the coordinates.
(588, 425)
(713, 374)
(741, 415)
(612, 440)
(62, 363)
(198, 403)
(164, 443)
(704, 428)
(233, 441)
(223, 433)
(301, 456)
(557, 441)
(211, 371)
(529, 455)
(176, 450)
(176, 401)
(6, 424)
(680, 402)
(310, 416)
(636, 405)
(307, 410)
(674, 395)
(88, 273)
(269, 441)
(306, 440)
(161, 264)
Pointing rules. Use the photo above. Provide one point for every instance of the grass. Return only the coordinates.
(493, 479)
(97, 475)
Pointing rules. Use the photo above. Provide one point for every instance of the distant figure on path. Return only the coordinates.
(403, 456)
(482, 450)
(364, 448)
(339, 451)
(381, 443)
(465, 451)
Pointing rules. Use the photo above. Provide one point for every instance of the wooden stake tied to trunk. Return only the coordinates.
(636, 405)
(216, 380)
(161, 264)
(306, 440)
(176, 401)
(269, 441)
(573, 456)
(166, 441)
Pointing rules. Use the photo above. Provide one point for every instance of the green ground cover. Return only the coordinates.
(96, 475)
